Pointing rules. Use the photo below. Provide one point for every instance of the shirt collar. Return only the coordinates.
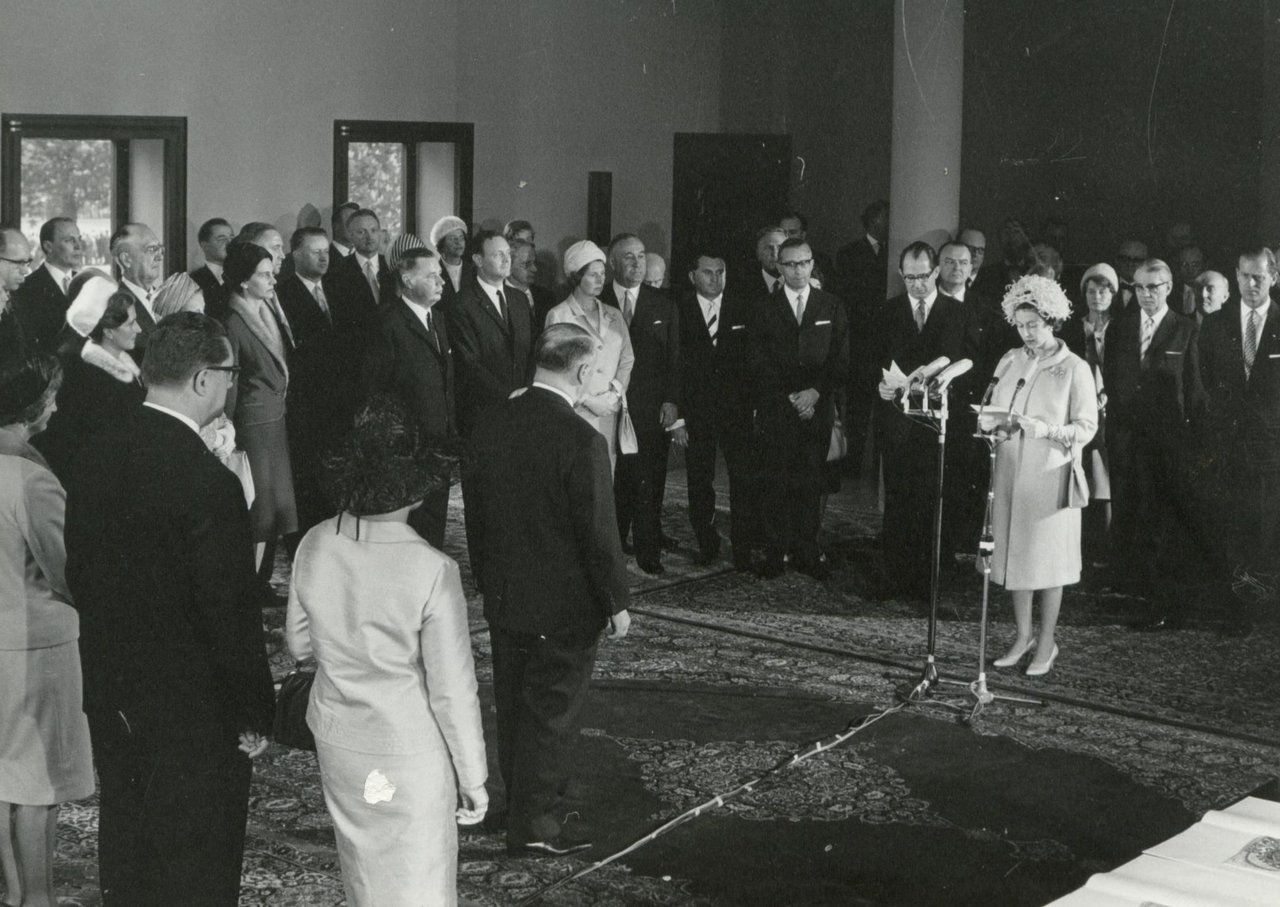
(309, 283)
(928, 300)
(215, 269)
(58, 274)
(363, 261)
(490, 290)
(709, 304)
(141, 293)
(555, 390)
(1261, 310)
(620, 291)
(958, 295)
(1156, 318)
(769, 279)
(875, 243)
(792, 295)
(185, 420)
(422, 311)
(344, 251)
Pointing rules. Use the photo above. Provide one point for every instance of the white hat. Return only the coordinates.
(444, 226)
(87, 309)
(581, 254)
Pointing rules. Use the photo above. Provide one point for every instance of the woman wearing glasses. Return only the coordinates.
(1049, 394)
(256, 403)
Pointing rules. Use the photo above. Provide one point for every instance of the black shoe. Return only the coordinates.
(818, 568)
(627, 547)
(667, 543)
(708, 550)
(771, 567)
(1159, 624)
(560, 846)
(653, 568)
(495, 821)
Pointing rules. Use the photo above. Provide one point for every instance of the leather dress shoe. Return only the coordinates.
(818, 568)
(653, 568)
(667, 543)
(560, 846)
(771, 567)
(1166, 622)
(708, 550)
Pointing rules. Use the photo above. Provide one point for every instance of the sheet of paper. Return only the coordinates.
(893, 376)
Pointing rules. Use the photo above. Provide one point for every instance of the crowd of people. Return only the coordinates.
(326, 397)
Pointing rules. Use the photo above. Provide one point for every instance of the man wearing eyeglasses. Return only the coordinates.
(139, 258)
(915, 329)
(1153, 386)
(15, 265)
(799, 359)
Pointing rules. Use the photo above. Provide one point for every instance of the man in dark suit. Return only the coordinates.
(1152, 377)
(139, 259)
(213, 236)
(340, 247)
(177, 688)
(321, 395)
(552, 575)
(715, 401)
(1240, 369)
(15, 265)
(409, 357)
(1132, 253)
(914, 329)
(524, 279)
(41, 302)
(763, 278)
(795, 225)
(799, 356)
(653, 399)
(363, 280)
(862, 272)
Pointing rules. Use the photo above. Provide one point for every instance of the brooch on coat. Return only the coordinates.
(1058, 371)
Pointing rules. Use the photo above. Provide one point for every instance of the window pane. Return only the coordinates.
(69, 178)
(437, 181)
(375, 179)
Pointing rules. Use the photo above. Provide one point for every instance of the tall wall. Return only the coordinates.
(555, 90)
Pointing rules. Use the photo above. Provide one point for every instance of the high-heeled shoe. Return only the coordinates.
(1035, 669)
(1013, 658)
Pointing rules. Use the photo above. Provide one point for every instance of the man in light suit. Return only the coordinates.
(41, 302)
(1152, 377)
(552, 575)
(653, 398)
(913, 330)
(799, 355)
(715, 401)
(177, 688)
(1240, 369)
(213, 236)
(139, 259)
(409, 356)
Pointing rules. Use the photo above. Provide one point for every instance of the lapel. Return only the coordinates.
(440, 346)
(145, 321)
(241, 308)
(694, 311)
(782, 308)
(580, 316)
(1168, 326)
(486, 303)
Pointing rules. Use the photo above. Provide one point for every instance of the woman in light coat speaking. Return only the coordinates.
(393, 706)
(1051, 403)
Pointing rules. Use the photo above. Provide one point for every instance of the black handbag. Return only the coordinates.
(290, 726)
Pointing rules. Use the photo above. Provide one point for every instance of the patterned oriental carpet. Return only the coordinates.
(724, 675)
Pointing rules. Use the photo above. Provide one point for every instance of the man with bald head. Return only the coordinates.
(1212, 291)
(15, 265)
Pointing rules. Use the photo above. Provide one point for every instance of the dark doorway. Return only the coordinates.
(724, 189)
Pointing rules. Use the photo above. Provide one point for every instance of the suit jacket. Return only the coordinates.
(41, 306)
(491, 355)
(163, 580)
(1156, 394)
(450, 292)
(655, 343)
(352, 300)
(306, 318)
(863, 275)
(714, 387)
(403, 360)
(1243, 423)
(258, 396)
(216, 295)
(786, 357)
(543, 301)
(545, 534)
(336, 257)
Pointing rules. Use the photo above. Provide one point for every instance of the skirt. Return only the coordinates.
(44, 750)
(394, 819)
(274, 512)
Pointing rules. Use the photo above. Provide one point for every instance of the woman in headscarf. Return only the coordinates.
(102, 382)
(1039, 480)
(256, 404)
(44, 747)
(604, 395)
(393, 706)
(179, 293)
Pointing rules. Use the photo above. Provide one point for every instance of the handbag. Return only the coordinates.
(1077, 485)
(290, 725)
(627, 442)
(838, 449)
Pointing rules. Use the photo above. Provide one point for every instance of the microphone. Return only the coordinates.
(925, 373)
(991, 389)
(1022, 382)
(950, 373)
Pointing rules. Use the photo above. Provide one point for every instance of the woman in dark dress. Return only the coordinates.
(101, 383)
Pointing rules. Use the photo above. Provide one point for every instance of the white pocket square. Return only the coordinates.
(658, 322)
(1273, 355)
(818, 324)
(736, 327)
(1173, 352)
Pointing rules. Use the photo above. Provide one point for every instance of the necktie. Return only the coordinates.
(371, 275)
(435, 341)
(322, 302)
(1250, 342)
(921, 316)
(800, 308)
(502, 307)
(1148, 331)
(627, 309)
(66, 282)
(713, 325)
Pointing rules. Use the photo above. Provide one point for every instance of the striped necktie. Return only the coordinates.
(1250, 342)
